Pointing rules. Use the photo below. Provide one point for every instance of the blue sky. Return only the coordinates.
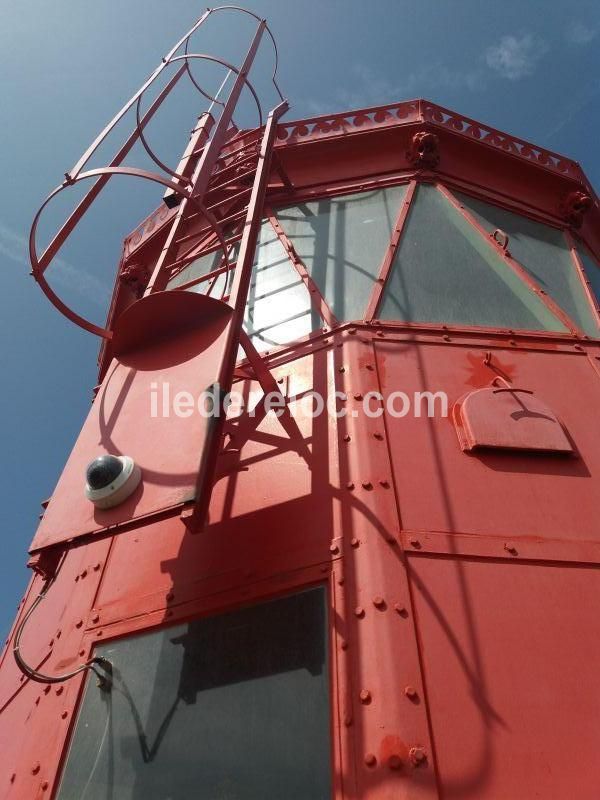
(529, 68)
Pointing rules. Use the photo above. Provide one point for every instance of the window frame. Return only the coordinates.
(276, 587)
(448, 185)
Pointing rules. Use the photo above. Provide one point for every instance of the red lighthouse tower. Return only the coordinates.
(374, 575)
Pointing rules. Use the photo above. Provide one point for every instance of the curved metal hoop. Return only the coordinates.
(185, 57)
(38, 272)
(233, 68)
(268, 30)
(193, 80)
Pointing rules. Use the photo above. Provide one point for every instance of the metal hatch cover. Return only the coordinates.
(508, 419)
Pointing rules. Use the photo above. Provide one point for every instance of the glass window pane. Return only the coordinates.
(203, 266)
(444, 271)
(342, 242)
(544, 253)
(233, 706)
(592, 271)
(279, 308)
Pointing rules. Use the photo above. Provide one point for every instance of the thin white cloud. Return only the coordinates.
(515, 57)
(580, 33)
(371, 88)
(14, 246)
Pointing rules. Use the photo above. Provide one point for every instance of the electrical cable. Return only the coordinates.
(39, 677)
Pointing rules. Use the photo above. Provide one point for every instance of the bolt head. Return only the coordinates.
(370, 759)
(417, 755)
(378, 602)
(359, 611)
(365, 696)
(410, 691)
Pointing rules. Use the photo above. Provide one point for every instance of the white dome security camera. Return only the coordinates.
(111, 479)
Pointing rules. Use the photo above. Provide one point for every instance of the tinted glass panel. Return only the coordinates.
(279, 309)
(544, 253)
(445, 271)
(202, 266)
(342, 242)
(592, 271)
(234, 706)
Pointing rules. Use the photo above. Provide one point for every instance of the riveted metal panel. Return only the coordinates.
(510, 653)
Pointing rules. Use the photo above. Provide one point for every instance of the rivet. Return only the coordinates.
(367, 485)
(380, 333)
(349, 485)
(97, 567)
(341, 369)
(341, 580)
(383, 482)
(60, 690)
(400, 609)
(45, 785)
(358, 396)
(446, 338)
(359, 611)
(370, 759)
(347, 437)
(415, 542)
(64, 714)
(370, 367)
(12, 777)
(578, 347)
(378, 436)
(37, 700)
(35, 769)
(410, 691)
(47, 689)
(510, 548)
(354, 542)
(95, 618)
(365, 696)
(395, 762)
(512, 341)
(333, 548)
(352, 330)
(417, 755)
(378, 602)
(344, 644)
(82, 653)
(99, 633)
